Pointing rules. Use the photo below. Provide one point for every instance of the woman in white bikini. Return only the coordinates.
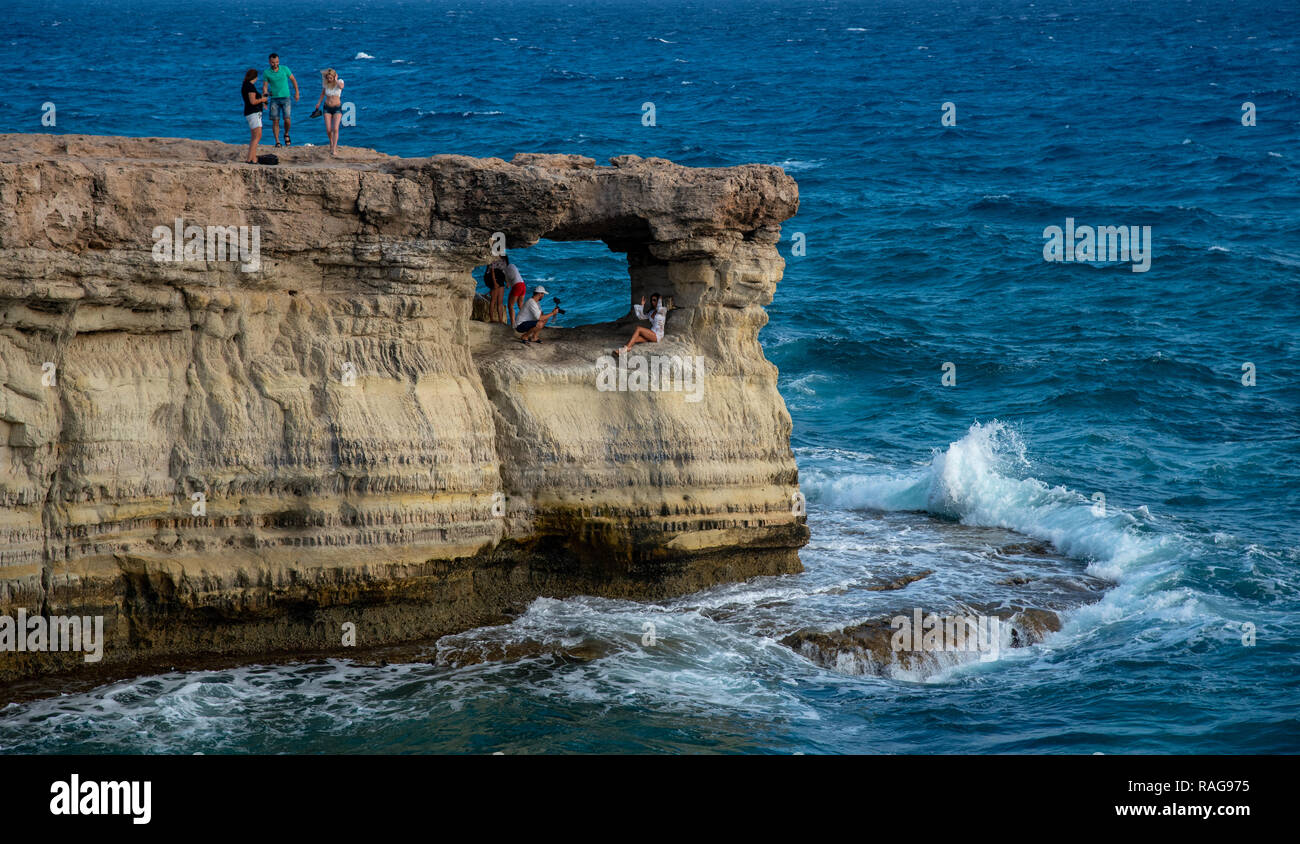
(657, 313)
(331, 91)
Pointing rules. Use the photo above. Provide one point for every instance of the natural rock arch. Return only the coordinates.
(447, 481)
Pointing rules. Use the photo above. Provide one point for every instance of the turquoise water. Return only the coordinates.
(924, 246)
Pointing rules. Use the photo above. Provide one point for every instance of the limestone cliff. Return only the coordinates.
(364, 451)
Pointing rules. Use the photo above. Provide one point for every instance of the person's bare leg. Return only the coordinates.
(286, 130)
(275, 130)
(535, 332)
(641, 335)
(254, 136)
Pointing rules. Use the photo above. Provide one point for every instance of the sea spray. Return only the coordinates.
(983, 479)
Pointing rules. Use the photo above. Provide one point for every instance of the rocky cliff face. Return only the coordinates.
(235, 458)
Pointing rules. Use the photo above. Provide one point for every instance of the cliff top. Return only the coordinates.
(634, 200)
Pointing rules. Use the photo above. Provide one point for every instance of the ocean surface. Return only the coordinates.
(924, 246)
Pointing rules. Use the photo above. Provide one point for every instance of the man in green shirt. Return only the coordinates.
(275, 84)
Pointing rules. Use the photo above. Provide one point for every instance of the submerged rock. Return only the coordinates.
(873, 647)
(460, 654)
(899, 582)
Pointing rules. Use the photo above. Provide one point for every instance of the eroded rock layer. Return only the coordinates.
(231, 457)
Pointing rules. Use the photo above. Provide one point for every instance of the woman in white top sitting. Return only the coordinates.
(657, 313)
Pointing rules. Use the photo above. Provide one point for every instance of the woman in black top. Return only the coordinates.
(252, 112)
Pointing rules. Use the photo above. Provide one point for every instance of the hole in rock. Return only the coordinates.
(590, 280)
(595, 284)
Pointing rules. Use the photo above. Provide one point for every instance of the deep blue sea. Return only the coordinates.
(924, 246)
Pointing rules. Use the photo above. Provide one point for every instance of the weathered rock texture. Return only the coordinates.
(868, 648)
(459, 477)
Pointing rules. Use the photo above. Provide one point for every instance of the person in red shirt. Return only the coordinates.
(517, 288)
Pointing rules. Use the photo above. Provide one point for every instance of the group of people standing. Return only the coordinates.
(276, 81)
(503, 275)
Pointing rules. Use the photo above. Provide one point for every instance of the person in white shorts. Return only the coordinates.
(657, 313)
(253, 103)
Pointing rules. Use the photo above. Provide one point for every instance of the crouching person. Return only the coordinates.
(530, 320)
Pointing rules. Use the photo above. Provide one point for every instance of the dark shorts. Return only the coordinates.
(525, 326)
(329, 109)
(280, 107)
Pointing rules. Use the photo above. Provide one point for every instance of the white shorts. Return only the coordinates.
(254, 120)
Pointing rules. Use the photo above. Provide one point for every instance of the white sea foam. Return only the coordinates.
(794, 165)
(806, 384)
(985, 480)
(362, 56)
(982, 480)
